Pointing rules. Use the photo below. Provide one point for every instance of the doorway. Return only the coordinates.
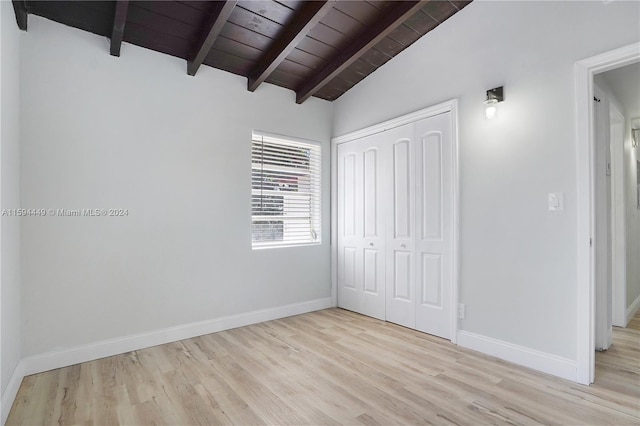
(597, 234)
(612, 107)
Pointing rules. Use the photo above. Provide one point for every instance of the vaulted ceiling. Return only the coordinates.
(315, 48)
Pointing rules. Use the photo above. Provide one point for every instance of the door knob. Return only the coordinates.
(371, 244)
(403, 246)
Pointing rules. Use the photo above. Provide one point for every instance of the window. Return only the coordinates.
(285, 192)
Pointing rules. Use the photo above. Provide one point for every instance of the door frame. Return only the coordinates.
(441, 108)
(585, 328)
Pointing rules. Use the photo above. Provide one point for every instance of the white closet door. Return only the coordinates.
(400, 282)
(361, 243)
(434, 236)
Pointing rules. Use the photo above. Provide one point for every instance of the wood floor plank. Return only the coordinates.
(328, 367)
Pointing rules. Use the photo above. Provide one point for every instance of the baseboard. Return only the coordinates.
(75, 355)
(537, 360)
(631, 310)
(11, 391)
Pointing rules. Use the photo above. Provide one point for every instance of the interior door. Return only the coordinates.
(361, 242)
(400, 282)
(434, 220)
(602, 240)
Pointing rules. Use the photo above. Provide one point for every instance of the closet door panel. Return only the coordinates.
(360, 245)
(372, 276)
(430, 210)
(349, 259)
(371, 196)
(348, 213)
(400, 197)
(431, 280)
(402, 275)
(348, 268)
(402, 188)
(434, 245)
(374, 239)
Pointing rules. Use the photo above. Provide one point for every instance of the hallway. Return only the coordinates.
(618, 368)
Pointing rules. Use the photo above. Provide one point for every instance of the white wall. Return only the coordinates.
(631, 156)
(9, 196)
(518, 260)
(138, 133)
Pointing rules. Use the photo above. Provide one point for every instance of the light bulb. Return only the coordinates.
(491, 108)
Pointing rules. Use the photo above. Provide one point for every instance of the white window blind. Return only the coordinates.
(285, 192)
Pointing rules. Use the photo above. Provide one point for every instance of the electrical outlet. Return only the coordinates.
(461, 311)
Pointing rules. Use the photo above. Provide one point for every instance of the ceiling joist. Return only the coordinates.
(221, 12)
(308, 18)
(319, 48)
(20, 9)
(369, 38)
(119, 20)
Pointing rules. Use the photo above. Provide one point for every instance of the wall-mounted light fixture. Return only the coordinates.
(635, 137)
(493, 97)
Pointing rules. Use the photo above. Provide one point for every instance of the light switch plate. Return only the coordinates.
(461, 311)
(556, 202)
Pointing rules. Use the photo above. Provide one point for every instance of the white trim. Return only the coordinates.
(334, 224)
(11, 391)
(631, 310)
(456, 223)
(70, 356)
(441, 108)
(584, 72)
(290, 139)
(531, 358)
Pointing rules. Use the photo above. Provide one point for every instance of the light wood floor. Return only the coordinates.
(327, 367)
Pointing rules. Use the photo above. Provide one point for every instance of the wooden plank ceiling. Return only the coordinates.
(315, 48)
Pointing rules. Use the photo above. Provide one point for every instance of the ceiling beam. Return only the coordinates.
(20, 9)
(119, 20)
(311, 13)
(221, 12)
(391, 20)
